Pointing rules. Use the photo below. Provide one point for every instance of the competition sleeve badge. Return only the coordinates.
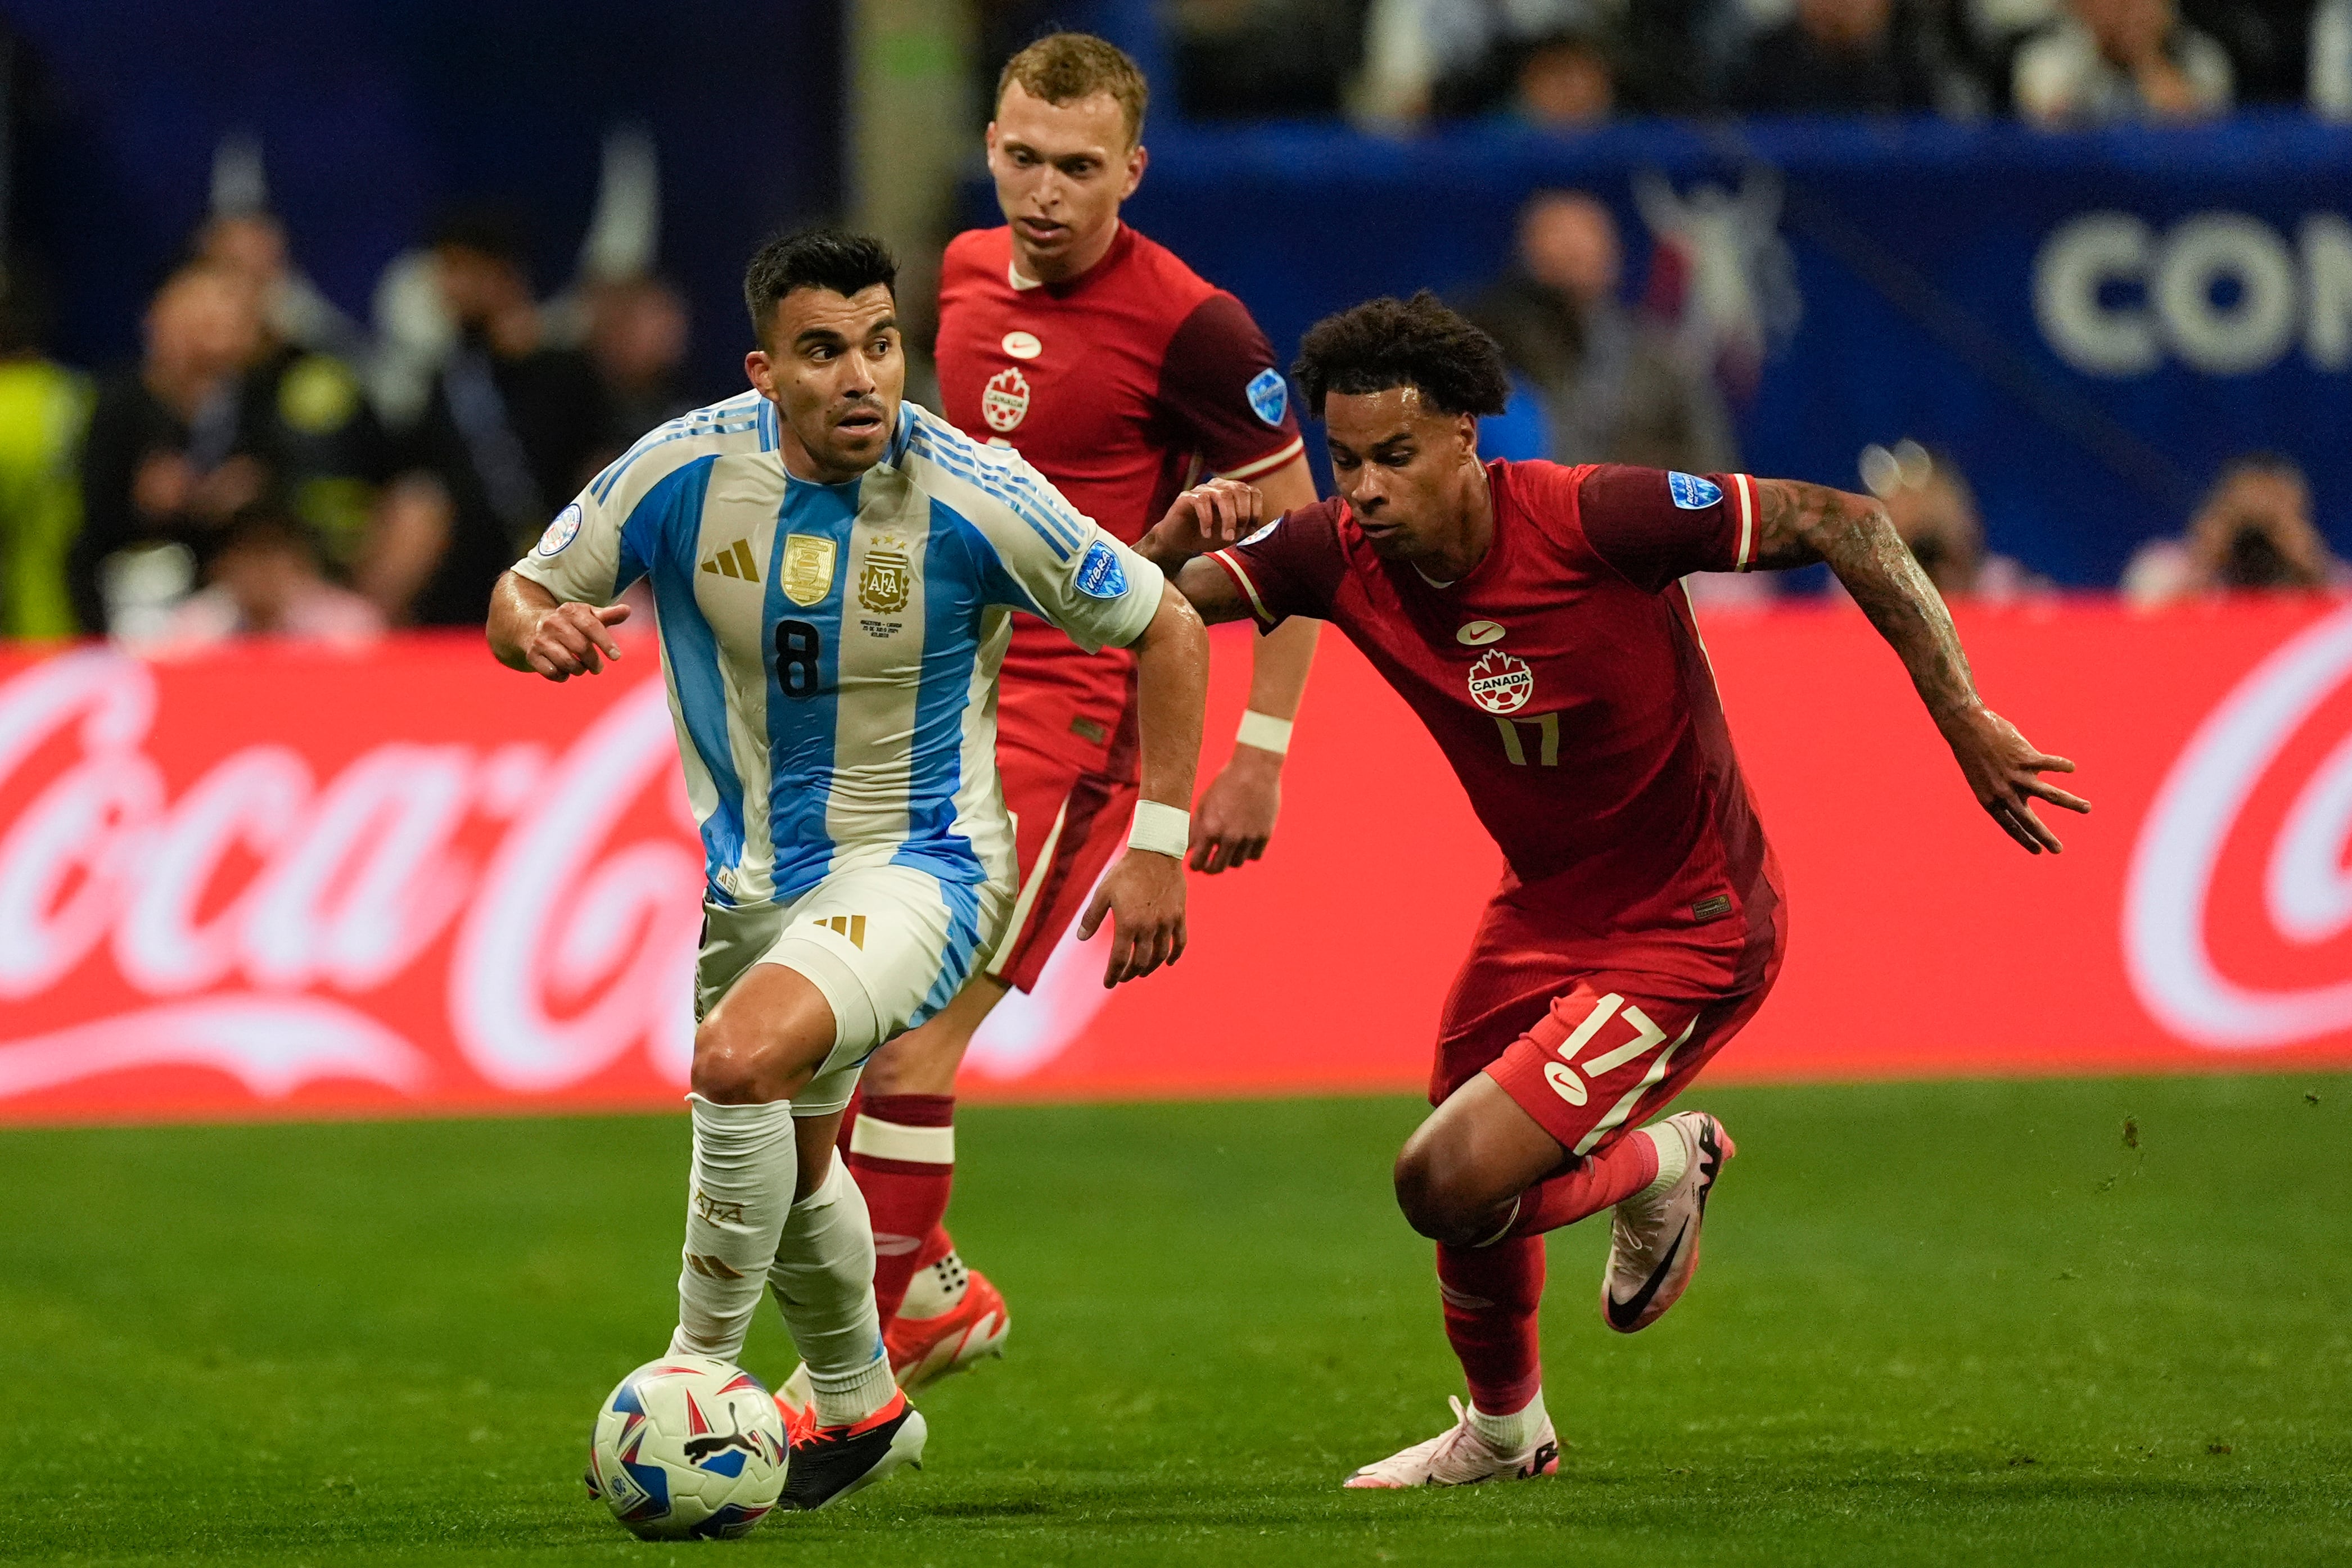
(560, 532)
(1100, 576)
(1693, 493)
(808, 569)
(1269, 395)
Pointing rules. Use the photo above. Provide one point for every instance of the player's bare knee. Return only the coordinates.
(731, 1067)
(1423, 1191)
(1440, 1191)
(723, 1072)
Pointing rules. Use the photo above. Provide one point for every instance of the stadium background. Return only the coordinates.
(341, 983)
(349, 922)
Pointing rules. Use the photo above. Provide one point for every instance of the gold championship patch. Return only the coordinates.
(808, 569)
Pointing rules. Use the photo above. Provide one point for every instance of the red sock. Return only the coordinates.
(1594, 1183)
(1490, 1317)
(902, 1154)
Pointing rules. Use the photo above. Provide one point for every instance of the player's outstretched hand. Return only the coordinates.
(1144, 895)
(2005, 771)
(1236, 814)
(1209, 516)
(574, 639)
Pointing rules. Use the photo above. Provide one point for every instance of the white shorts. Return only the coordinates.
(888, 946)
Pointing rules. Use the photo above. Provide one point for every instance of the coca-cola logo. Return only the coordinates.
(272, 924)
(2238, 893)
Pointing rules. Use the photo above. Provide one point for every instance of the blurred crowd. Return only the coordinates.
(267, 466)
(1598, 378)
(1568, 64)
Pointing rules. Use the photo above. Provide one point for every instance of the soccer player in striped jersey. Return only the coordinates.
(1534, 618)
(1123, 376)
(833, 571)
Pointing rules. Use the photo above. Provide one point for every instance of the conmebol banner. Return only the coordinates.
(276, 882)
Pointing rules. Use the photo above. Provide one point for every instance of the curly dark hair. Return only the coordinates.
(1419, 343)
(821, 257)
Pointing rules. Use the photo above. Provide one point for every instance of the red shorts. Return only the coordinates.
(1070, 783)
(1593, 1034)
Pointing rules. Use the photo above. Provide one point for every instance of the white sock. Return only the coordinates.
(849, 1398)
(1512, 1434)
(1673, 1158)
(745, 1166)
(936, 1290)
(823, 1279)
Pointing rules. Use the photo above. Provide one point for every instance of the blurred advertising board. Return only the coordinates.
(272, 881)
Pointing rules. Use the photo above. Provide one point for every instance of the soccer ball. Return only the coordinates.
(687, 1446)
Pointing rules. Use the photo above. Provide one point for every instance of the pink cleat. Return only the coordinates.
(1653, 1243)
(1461, 1458)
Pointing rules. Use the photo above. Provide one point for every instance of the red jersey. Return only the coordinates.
(1565, 680)
(1122, 386)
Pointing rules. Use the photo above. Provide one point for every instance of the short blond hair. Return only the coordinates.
(1063, 68)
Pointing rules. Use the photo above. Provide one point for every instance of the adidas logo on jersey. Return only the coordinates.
(735, 562)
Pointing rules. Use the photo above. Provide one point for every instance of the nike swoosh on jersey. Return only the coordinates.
(1622, 1312)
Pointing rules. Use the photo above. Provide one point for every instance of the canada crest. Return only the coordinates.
(1005, 402)
(1501, 684)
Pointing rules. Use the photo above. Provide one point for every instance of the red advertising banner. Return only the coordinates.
(282, 881)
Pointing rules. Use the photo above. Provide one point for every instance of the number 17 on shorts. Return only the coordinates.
(1612, 1053)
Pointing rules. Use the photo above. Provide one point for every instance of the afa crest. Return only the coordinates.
(885, 580)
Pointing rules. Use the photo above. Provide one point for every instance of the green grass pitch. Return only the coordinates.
(1956, 1322)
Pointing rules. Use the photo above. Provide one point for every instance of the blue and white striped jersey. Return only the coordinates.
(831, 650)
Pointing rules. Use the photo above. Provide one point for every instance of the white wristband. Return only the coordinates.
(1162, 830)
(1265, 732)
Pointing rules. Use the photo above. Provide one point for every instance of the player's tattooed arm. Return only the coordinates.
(1798, 523)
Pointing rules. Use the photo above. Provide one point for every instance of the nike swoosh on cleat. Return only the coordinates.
(1623, 1313)
(1540, 1462)
(1710, 1166)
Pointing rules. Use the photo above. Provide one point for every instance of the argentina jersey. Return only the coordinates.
(831, 650)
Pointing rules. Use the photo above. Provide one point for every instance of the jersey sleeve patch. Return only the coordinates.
(1221, 392)
(1269, 396)
(1691, 492)
(1654, 525)
(1100, 576)
(560, 532)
